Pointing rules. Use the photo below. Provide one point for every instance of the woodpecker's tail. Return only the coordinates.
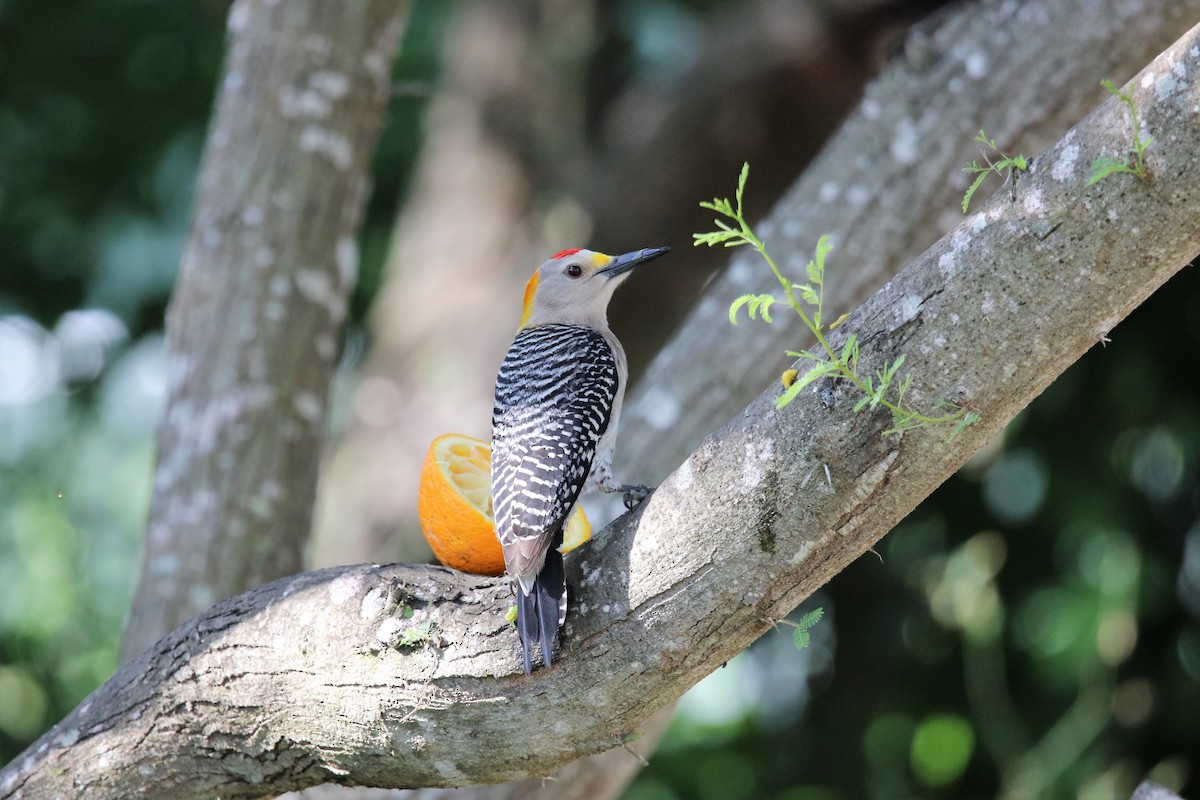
(542, 611)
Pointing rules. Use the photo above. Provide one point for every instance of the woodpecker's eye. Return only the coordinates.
(574, 270)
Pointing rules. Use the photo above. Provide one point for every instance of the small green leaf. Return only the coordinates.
(982, 138)
(1105, 166)
(415, 634)
(967, 421)
(761, 305)
(745, 173)
(800, 635)
(718, 205)
(813, 272)
(810, 295)
(811, 618)
(980, 171)
(788, 396)
(881, 389)
(903, 420)
(849, 347)
(979, 179)
(710, 239)
(824, 246)
(756, 305)
(820, 370)
(816, 373)
(736, 305)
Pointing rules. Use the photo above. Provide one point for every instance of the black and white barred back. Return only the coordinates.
(554, 399)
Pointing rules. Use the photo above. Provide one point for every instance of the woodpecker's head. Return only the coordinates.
(574, 286)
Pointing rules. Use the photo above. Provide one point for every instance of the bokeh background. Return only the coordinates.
(1034, 625)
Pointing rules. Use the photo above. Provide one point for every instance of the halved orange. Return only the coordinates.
(454, 503)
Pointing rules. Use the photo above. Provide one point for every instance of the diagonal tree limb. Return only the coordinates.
(300, 681)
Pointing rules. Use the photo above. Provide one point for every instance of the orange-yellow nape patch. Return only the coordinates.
(530, 290)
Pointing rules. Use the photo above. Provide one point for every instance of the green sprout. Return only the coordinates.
(825, 360)
(1005, 166)
(800, 629)
(1107, 165)
(417, 634)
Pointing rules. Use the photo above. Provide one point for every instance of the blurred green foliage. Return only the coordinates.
(102, 110)
(1033, 630)
(72, 499)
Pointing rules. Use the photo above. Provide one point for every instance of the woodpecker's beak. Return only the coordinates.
(627, 261)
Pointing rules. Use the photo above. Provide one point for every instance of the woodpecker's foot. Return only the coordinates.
(635, 495)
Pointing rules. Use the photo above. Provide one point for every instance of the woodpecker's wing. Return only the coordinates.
(554, 399)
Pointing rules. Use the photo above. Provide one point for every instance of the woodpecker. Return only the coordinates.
(554, 424)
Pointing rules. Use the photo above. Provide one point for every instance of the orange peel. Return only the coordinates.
(454, 504)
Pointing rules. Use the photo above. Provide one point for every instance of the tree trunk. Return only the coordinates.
(255, 325)
(764, 512)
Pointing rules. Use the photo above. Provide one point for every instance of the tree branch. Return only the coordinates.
(292, 684)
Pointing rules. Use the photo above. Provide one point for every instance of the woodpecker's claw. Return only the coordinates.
(635, 495)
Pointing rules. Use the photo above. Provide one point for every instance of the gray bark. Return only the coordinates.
(1147, 790)
(593, 778)
(301, 681)
(255, 324)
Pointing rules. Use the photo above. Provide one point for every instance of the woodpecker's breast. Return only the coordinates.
(554, 400)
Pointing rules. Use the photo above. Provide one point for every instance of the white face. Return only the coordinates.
(574, 286)
(571, 289)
